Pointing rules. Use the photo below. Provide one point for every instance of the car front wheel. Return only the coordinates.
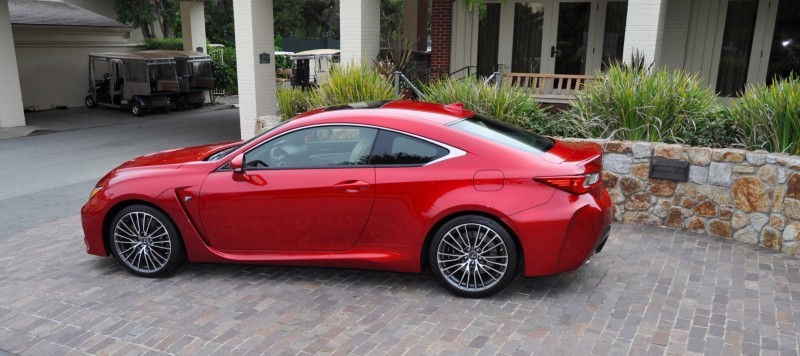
(473, 256)
(145, 241)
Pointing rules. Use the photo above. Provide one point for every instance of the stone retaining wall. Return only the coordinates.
(752, 197)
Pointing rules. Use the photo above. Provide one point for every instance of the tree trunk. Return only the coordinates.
(165, 18)
(146, 33)
(327, 22)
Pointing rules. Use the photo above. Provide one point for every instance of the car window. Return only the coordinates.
(396, 148)
(316, 147)
(505, 134)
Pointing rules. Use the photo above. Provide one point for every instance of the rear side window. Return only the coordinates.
(502, 133)
(396, 148)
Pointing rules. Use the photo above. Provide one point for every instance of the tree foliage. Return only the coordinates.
(146, 14)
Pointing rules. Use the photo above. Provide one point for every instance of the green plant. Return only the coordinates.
(718, 130)
(507, 104)
(637, 64)
(637, 105)
(769, 116)
(350, 84)
(164, 43)
(292, 101)
(398, 57)
(224, 78)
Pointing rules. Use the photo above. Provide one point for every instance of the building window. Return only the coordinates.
(737, 42)
(784, 58)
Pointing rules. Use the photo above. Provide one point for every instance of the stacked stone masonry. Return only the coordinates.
(750, 196)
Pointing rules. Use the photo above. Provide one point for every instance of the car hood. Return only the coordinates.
(177, 156)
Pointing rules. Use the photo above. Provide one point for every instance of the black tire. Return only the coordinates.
(89, 101)
(173, 104)
(136, 108)
(145, 241)
(473, 256)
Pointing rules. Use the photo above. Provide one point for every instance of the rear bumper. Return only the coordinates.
(190, 98)
(561, 235)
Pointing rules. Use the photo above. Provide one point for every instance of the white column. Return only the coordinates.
(193, 26)
(359, 29)
(644, 29)
(254, 35)
(464, 38)
(11, 113)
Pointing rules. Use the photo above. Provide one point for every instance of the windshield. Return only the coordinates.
(201, 69)
(228, 150)
(493, 130)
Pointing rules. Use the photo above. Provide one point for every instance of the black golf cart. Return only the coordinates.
(138, 82)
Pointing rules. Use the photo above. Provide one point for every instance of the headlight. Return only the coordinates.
(96, 190)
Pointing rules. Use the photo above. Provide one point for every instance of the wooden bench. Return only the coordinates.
(548, 88)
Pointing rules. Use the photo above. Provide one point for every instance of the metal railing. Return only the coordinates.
(400, 79)
(218, 56)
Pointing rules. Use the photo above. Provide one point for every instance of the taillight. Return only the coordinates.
(577, 184)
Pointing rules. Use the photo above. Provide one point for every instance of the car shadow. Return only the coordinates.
(358, 281)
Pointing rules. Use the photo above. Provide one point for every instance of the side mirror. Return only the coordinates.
(237, 164)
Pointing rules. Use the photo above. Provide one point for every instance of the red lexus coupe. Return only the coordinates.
(393, 186)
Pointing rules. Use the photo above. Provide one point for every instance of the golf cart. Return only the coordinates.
(194, 76)
(138, 82)
(310, 68)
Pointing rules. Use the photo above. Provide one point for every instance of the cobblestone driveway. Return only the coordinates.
(651, 291)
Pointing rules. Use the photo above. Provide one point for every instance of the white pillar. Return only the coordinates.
(11, 113)
(254, 36)
(359, 29)
(644, 29)
(193, 26)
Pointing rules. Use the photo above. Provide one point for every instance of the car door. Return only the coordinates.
(411, 179)
(310, 189)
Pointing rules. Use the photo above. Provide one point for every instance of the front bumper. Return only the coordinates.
(92, 215)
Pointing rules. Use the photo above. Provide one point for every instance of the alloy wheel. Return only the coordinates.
(472, 257)
(142, 242)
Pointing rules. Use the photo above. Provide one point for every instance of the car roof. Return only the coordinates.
(162, 53)
(437, 113)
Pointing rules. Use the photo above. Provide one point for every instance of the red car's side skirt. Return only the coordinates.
(396, 258)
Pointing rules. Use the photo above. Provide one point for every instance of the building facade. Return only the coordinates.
(728, 43)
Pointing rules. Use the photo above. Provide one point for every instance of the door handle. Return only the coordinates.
(554, 52)
(351, 186)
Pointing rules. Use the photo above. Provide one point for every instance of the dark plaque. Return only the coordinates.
(263, 58)
(669, 169)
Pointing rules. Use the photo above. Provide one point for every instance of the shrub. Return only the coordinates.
(769, 116)
(636, 105)
(292, 101)
(508, 104)
(350, 84)
(224, 78)
(164, 43)
(718, 130)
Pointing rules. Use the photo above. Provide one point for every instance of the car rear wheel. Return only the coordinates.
(473, 256)
(136, 108)
(145, 241)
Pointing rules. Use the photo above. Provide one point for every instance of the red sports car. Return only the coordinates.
(393, 186)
